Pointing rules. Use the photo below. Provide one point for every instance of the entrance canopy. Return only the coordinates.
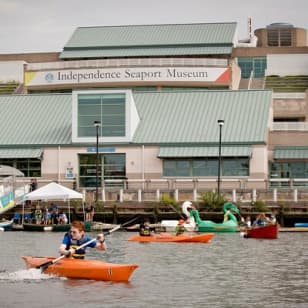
(53, 191)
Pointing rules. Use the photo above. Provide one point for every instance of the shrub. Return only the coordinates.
(260, 206)
(166, 199)
(213, 201)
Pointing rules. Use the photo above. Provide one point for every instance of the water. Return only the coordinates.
(228, 272)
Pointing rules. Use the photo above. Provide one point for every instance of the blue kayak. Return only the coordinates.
(301, 224)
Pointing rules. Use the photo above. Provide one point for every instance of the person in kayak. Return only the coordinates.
(76, 237)
(180, 229)
(261, 220)
(144, 228)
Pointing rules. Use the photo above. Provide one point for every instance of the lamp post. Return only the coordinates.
(97, 125)
(220, 123)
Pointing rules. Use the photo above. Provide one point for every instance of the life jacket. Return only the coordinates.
(180, 229)
(145, 231)
(80, 253)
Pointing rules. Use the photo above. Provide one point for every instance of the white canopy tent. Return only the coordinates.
(54, 191)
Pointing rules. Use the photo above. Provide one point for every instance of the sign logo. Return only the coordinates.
(49, 77)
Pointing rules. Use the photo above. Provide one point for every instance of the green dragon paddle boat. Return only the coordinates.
(230, 223)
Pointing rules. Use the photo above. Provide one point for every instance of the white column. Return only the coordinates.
(139, 196)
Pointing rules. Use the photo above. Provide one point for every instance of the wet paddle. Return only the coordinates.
(45, 265)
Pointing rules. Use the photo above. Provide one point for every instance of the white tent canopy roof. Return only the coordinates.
(53, 191)
(9, 171)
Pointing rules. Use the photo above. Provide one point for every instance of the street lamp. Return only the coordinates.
(220, 123)
(97, 124)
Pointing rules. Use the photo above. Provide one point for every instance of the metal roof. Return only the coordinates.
(182, 118)
(150, 39)
(21, 153)
(191, 117)
(139, 52)
(290, 152)
(205, 151)
(36, 119)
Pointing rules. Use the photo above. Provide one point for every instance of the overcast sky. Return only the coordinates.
(41, 26)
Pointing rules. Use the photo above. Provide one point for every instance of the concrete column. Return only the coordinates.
(139, 195)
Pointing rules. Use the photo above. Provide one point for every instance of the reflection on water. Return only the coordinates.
(228, 272)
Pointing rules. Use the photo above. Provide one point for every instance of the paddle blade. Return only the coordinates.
(44, 266)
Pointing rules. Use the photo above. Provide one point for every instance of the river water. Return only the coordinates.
(230, 271)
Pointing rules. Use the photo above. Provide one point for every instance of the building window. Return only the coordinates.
(110, 167)
(289, 170)
(108, 108)
(256, 66)
(279, 37)
(198, 167)
(31, 167)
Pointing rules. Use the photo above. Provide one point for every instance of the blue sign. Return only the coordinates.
(93, 150)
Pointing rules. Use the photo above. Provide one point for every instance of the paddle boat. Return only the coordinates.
(83, 268)
(269, 231)
(190, 224)
(167, 238)
(229, 224)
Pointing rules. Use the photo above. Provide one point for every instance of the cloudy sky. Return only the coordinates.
(42, 26)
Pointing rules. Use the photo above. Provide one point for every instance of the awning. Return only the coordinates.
(291, 153)
(232, 151)
(21, 153)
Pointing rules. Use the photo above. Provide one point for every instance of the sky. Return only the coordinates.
(46, 26)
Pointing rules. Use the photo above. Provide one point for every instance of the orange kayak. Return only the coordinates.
(167, 238)
(83, 269)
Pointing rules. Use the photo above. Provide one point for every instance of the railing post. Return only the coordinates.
(195, 195)
(176, 195)
(234, 195)
(121, 195)
(295, 195)
(139, 195)
(157, 195)
(275, 194)
(103, 194)
(254, 195)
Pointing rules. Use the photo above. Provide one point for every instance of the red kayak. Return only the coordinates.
(263, 232)
(167, 238)
(83, 269)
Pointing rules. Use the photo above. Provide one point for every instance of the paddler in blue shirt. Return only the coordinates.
(75, 238)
